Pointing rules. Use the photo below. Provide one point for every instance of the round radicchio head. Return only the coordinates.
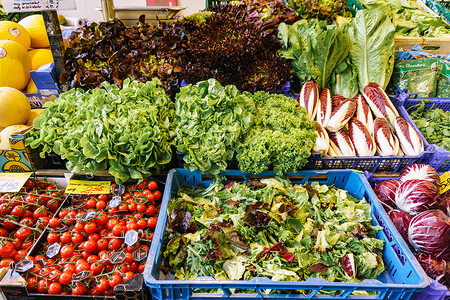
(420, 171)
(385, 191)
(401, 221)
(415, 196)
(437, 269)
(429, 232)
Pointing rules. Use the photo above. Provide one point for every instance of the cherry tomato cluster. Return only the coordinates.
(23, 217)
(89, 244)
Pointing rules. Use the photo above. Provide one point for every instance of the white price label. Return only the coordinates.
(37, 5)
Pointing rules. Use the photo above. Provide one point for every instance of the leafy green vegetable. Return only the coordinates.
(432, 123)
(210, 120)
(126, 131)
(372, 46)
(282, 137)
(296, 232)
(314, 50)
(319, 9)
(410, 19)
(345, 80)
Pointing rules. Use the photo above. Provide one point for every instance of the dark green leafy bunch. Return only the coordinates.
(282, 137)
(433, 124)
(233, 50)
(271, 228)
(210, 118)
(127, 131)
(112, 52)
(319, 9)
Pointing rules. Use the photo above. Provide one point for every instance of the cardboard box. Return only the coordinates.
(45, 77)
(41, 96)
(20, 158)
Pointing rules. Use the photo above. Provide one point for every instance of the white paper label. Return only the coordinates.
(37, 5)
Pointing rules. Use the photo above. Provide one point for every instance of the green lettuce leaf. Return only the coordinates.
(372, 47)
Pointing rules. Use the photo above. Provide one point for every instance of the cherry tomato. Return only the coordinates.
(54, 222)
(114, 244)
(150, 211)
(152, 185)
(128, 276)
(52, 205)
(90, 246)
(102, 244)
(91, 202)
(96, 268)
(132, 206)
(100, 204)
(52, 237)
(66, 251)
(32, 284)
(152, 222)
(77, 238)
(103, 197)
(65, 237)
(65, 278)
(118, 230)
(142, 185)
(54, 288)
(79, 289)
(43, 286)
(114, 280)
(21, 254)
(6, 249)
(90, 227)
(18, 211)
(102, 285)
(157, 195)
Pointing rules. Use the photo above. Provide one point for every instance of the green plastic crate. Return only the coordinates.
(440, 7)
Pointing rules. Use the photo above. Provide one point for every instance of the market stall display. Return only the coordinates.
(268, 87)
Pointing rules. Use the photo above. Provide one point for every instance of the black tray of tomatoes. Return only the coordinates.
(93, 246)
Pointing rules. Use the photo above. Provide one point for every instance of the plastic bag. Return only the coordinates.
(418, 75)
(443, 87)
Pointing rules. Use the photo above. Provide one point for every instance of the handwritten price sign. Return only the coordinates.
(88, 187)
(445, 182)
(12, 182)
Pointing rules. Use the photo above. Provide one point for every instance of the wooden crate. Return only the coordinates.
(439, 45)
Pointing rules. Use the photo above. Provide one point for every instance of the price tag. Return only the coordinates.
(53, 249)
(37, 5)
(60, 228)
(141, 199)
(40, 262)
(13, 182)
(117, 189)
(445, 182)
(117, 257)
(88, 187)
(140, 254)
(131, 237)
(80, 276)
(24, 265)
(115, 201)
(88, 215)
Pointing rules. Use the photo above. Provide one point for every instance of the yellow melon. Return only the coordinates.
(14, 107)
(33, 115)
(15, 65)
(14, 32)
(6, 133)
(35, 26)
(31, 87)
(40, 57)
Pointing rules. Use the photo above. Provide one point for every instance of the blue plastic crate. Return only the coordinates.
(403, 278)
(440, 158)
(431, 293)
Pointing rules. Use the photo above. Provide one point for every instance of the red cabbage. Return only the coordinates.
(429, 232)
(385, 191)
(401, 221)
(420, 171)
(415, 196)
(437, 269)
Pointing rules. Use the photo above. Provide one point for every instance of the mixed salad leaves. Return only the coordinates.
(271, 228)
